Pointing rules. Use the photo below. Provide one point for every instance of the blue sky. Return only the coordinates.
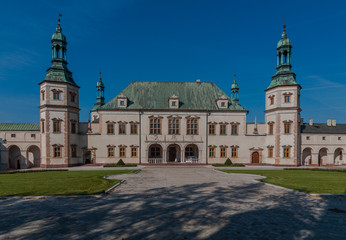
(174, 41)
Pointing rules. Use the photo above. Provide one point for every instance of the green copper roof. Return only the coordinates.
(59, 72)
(149, 95)
(19, 127)
(283, 77)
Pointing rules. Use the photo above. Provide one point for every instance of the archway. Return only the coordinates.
(322, 156)
(255, 157)
(15, 158)
(306, 156)
(173, 153)
(191, 153)
(155, 153)
(33, 156)
(338, 156)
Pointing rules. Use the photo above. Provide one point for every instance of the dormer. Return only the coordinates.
(173, 101)
(222, 102)
(122, 100)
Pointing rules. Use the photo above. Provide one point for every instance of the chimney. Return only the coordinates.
(311, 121)
(198, 80)
(333, 122)
(329, 122)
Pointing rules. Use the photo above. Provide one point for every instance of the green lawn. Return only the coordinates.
(304, 180)
(57, 182)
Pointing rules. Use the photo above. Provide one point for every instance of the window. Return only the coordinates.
(155, 152)
(134, 152)
(223, 104)
(122, 152)
(234, 129)
(212, 129)
(223, 129)
(13, 135)
(73, 151)
(155, 126)
(308, 138)
(122, 128)
(42, 126)
(33, 135)
(73, 97)
(223, 152)
(323, 138)
(42, 93)
(286, 152)
(133, 127)
(174, 103)
(57, 151)
(56, 95)
(271, 100)
(110, 128)
(192, 126)
(234, 152)
(174, 126)
(73, 127)
(111, 151)
(56, 126)
(212, 152)
(287, 128)
(271, 129)
(287, 98)
(339, 138)
(122, 103)
(270, 152)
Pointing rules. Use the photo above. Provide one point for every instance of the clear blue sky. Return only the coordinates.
(174, 41)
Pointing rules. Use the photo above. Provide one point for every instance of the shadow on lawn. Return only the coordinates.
(176, 213)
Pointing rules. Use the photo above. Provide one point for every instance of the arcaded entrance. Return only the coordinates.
(173, 153)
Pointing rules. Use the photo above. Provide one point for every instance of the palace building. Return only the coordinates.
(169, 122)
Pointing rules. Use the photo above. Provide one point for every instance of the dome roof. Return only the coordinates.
(100, 84)
(235, 86)
(58, 34)
(285, 41)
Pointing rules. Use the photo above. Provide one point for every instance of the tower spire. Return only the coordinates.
(235, 90)
(100, 98)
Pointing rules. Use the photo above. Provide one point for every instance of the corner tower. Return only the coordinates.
(100, 97)
(282, 111)
(59, 109)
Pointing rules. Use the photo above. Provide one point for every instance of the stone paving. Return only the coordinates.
(179, 203)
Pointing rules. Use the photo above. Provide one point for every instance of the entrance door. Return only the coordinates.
(172, 154)
(87, 157)
(255, 157)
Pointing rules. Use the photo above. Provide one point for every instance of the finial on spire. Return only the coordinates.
(100, 77)
(235, 80)
(284, 35)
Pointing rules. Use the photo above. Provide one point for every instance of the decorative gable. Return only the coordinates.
(122, 100)
(173, 101)
(222, 102)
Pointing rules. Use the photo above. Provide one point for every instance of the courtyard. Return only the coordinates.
(178, 203)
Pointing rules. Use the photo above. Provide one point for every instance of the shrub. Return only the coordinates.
(228, 162)
(120, 162)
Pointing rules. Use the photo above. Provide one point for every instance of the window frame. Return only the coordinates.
(211, 129)
(223, 129)
(134, 151)
(57, 151)
(192, 126)
(223, 152)
(122, 152)
(234, 152)
(134, 128)
(235, 129)
(155, 126)
(110, 128)
(212, 152)
(122, 128)
(174, 126)
(286, 152)
(110, 151)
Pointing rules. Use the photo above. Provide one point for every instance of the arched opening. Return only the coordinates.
(285, 57)
(306, 156)
(87, 157)
(15, 158)
(155, 153)
(322, 156)
(191, 153)
(173, 153)
(33, 156)
(255, 157)
(279, 62)
(338, 156)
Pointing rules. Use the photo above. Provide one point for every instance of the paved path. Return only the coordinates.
(179, 203)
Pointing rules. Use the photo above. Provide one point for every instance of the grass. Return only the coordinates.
(116, 165)
(57, 182)
(303, 180)
(224, 165)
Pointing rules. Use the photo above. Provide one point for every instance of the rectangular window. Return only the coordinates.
(42, 96)
(223, 129)
(73, 98)
(323, 138)
(286, 152)
(56, 126)
(234, 129)
(73, 127)
(308, 138)
(223, 152)
(122, 128)
(287, 128)
(270, 152)
(56, 96)
(42, 126)
(57, 151)
(110, 151)
(122, 103)
(33, 135)
(134, 127)
(173, 103)
(133, 152)
(287, 99)
(211, 129)
(339, 138)
(192, 126)
(13, 135)
(271, 100)
(155, 126)
(110, 128)
(271, 129)
(122, 152)
(73, 151)
(174, 126)
(234, 152)
(212, 152)
(223, 104)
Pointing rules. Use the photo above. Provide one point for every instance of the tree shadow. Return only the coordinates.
(195, 211)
